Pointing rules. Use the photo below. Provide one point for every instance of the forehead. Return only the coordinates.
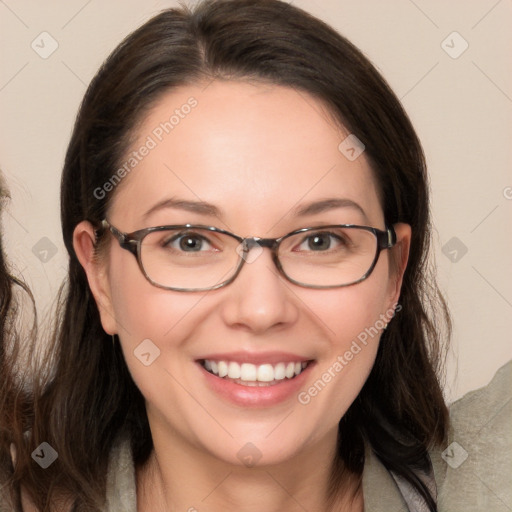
(254, 150)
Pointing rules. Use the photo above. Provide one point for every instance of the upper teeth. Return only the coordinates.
(251, 372)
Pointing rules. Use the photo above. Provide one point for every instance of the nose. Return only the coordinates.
(259, 298)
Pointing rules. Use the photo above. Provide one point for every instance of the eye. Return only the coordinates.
(321, 241)
(188, 242)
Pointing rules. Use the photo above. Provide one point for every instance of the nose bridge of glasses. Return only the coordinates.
(256, 241)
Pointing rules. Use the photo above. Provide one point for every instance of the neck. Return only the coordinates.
(181, 477)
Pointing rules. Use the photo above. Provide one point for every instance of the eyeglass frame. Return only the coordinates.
(132, 242)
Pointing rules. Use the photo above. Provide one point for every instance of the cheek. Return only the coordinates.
(352, 313)
(353, 320)
(141, 309)
(153, 325)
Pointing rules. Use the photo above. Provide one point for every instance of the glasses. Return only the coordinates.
(200, 258)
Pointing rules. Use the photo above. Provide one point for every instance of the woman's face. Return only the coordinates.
(258, 154)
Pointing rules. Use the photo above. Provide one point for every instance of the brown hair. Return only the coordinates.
(90, 397)
(15, 296)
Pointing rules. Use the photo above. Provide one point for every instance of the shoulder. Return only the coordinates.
(380, 490)
(473, 469)
(121, 482)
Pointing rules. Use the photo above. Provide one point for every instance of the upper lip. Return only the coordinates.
(256, 358)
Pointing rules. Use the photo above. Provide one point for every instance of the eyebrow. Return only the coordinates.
(200, 207)
(204, 208)
(316, 207)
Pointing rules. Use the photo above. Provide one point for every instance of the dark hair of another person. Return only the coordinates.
(89, 398)
(14, 396)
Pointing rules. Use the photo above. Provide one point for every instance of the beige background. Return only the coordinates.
(461, 108)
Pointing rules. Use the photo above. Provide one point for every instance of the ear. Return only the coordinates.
(84, 240)
(399, 259)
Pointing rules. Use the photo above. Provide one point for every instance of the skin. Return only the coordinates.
(257, 152)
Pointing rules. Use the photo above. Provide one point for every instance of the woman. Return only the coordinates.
(261, 346)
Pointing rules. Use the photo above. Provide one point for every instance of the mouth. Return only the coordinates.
(255, 375)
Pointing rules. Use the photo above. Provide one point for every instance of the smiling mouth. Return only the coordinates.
(248, 374)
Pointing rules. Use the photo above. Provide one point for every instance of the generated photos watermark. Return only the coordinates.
(305, 397)
(135, 157)
(45, 455)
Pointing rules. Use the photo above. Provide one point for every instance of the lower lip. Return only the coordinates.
(255, 396)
